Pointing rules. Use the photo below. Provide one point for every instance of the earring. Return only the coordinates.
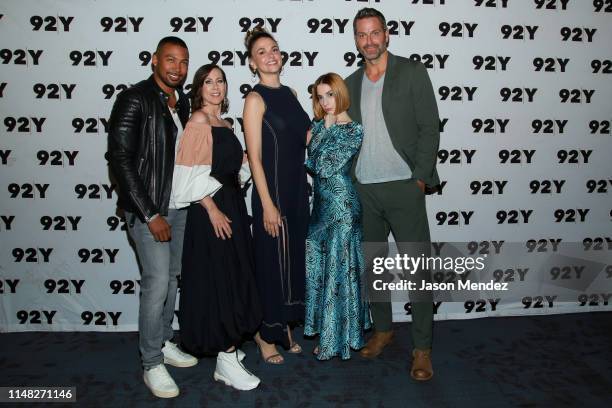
(254, 77)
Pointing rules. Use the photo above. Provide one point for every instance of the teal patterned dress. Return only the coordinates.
(335, 309)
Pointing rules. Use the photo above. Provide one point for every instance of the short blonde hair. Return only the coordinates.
(339, 89)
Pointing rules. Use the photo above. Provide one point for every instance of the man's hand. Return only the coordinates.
(160, 229)
(421, 185)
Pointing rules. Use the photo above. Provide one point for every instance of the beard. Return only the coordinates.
(373, 53)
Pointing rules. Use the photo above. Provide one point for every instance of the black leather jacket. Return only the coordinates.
(141, 144)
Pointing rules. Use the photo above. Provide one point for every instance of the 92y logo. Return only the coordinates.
(27, 190)
(550, 64)
(20, 57)
(60, 223)
(546, 186)
(98, 255)
(549, 126)
(457, 29)
(90, 125)
(53, 91)
(24, 125)
(99, 318)
(490, 62)
(431, 61)
(95, 191)
(517, 94)
(121, 24)
(32, 255)
(516, 156)
(576, 95)
(190, 24)
(490, 125)
(518, 32)
(36, 316)
(457, 93)
(578, 34)
(551, 4)
(56, 157)
(327, 25)
(90, 58)
(51, 23)
(247, 23)
(64, 286)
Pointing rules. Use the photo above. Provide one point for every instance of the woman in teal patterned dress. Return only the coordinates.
(335, 309)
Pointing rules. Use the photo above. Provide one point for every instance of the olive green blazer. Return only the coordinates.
(410, 112)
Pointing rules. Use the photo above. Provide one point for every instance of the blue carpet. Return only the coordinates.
(534, 361)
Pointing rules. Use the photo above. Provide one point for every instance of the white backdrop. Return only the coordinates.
(524, 90)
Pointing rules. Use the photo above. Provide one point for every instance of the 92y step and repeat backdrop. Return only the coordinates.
(523, 87)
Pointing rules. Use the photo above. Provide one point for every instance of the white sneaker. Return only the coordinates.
(230, 371)
(176, 357)
(241, 354)
(160, 383)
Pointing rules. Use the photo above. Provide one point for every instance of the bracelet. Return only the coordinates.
(149, 219)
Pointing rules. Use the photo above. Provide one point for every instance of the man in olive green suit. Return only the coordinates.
(394, 100)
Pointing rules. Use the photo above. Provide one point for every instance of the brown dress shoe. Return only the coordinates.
(421, 365)
(376, 344)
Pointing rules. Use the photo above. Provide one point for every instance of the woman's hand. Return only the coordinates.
(219, 221)
(271, 220)
(330, 120)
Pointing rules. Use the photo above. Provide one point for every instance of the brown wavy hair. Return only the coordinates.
(196, 87)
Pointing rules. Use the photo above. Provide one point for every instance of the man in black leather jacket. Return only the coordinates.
(145, 124)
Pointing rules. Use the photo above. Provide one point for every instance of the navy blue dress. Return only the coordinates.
(335, 308)
(280, 262)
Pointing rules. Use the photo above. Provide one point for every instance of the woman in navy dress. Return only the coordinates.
(335, 308)
(275, 128)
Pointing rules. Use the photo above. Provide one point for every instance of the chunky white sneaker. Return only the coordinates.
(176, 357)
(230, 371)
(241, 354)
(160, 383)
